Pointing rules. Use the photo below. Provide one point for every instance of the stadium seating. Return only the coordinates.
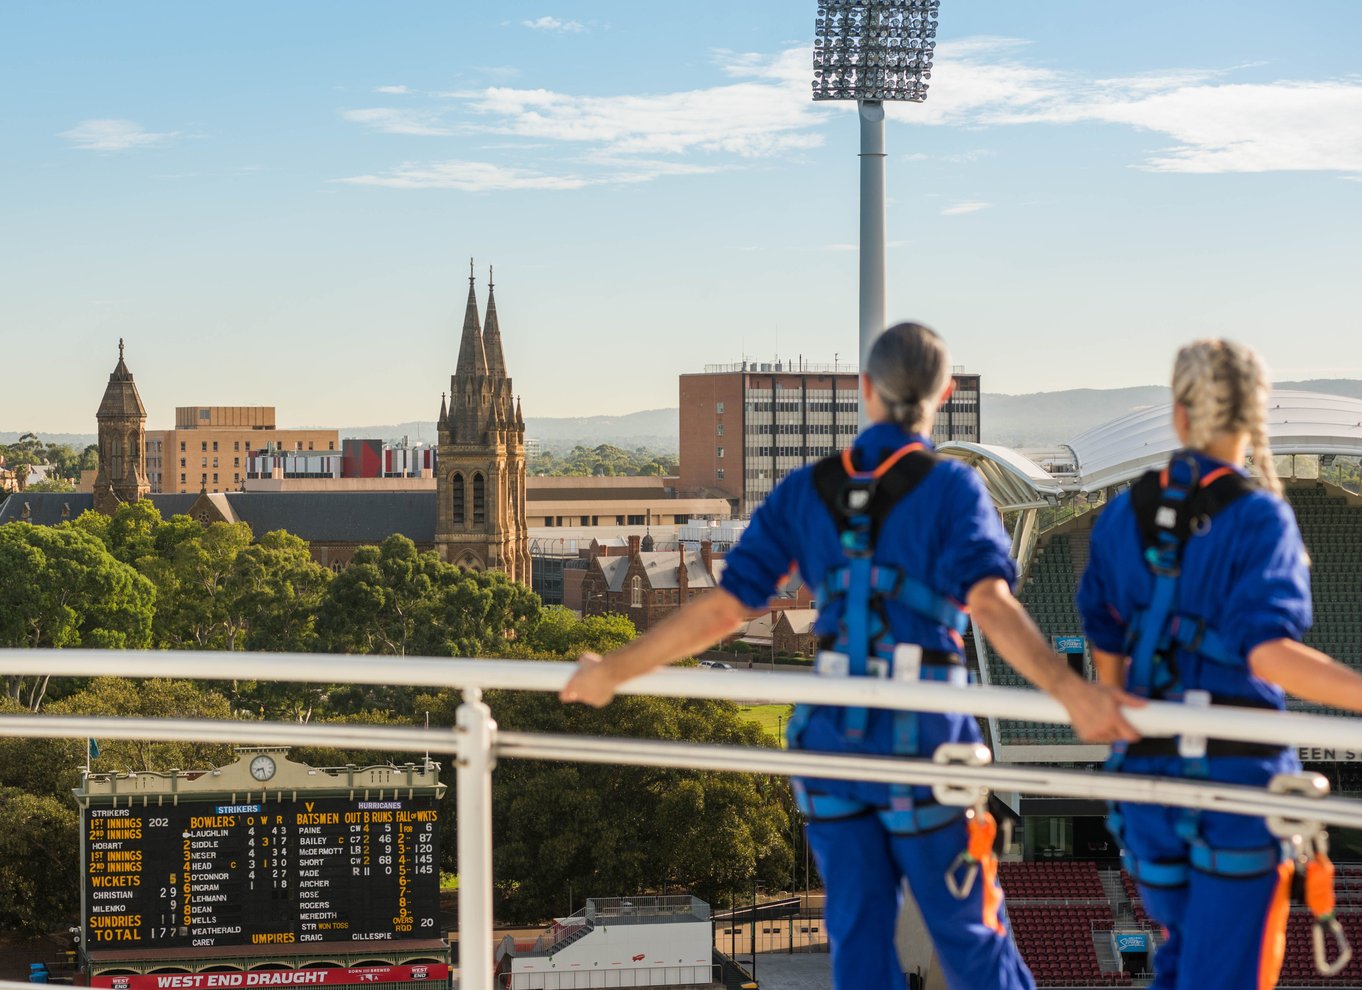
(1055, 907)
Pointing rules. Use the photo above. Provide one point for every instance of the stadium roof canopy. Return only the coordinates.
(1014, 481)
(1298, 423)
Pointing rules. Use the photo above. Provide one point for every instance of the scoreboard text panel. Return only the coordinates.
(282, 873)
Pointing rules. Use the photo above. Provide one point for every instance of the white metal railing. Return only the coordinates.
(476, 744)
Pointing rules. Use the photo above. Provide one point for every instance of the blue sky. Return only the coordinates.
(276, 203)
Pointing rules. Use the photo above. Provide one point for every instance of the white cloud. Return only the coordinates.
(425, 123)
(972, 206)
(1216, 125)
(393, 90)
(490, 177)
(466, 177)
(107, 134)
(554, 24)
(766, 114)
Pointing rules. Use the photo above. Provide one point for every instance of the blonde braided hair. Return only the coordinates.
(1224, 387)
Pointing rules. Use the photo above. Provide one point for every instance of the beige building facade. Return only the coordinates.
(208, 448)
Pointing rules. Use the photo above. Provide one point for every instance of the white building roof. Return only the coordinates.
(1298, 423)
(1014, 481)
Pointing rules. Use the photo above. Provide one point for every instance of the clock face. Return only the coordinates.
(262, 768)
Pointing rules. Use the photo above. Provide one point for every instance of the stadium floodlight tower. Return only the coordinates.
(872, 51)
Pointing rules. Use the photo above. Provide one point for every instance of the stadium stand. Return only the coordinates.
(1062, 913)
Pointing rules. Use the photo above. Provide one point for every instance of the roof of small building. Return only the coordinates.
(800, 620)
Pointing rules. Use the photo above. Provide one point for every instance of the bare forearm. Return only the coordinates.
(1307, 673)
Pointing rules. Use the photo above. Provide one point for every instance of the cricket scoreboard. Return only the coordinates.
(277, 873)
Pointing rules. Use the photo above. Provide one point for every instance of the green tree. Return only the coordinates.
(396, 601)
(608, 829)
(60, 587)
(39, 862)
(151, 698)
(561, 633)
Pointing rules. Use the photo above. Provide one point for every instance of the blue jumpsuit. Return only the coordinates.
(946, 534)
(1247, 576)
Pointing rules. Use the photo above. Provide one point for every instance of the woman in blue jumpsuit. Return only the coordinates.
(944, 536)
(1238, 589)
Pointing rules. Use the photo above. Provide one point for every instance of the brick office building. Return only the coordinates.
(746, 426)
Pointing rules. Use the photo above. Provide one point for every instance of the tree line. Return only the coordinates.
(138, 581)
(605, 459)
(66, 463)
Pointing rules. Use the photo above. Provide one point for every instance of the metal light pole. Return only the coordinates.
(872, 51)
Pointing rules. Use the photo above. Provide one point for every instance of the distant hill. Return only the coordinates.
(78, 440)
(1032, 420)
(656, 429)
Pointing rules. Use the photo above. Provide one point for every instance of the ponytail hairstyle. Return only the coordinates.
(909, 367)
(1224, 387)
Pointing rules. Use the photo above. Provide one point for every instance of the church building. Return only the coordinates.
(475, 517)
(480, 518)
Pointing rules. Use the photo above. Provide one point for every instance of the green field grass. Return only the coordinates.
(771, 718)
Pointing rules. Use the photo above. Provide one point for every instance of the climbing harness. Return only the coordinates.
(1170, 507)
(1306, 845)
(859, 502)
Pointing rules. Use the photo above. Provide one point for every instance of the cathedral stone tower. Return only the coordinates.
(122, 419)
(480, 519)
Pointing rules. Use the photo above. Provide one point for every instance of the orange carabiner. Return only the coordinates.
(1319, 885)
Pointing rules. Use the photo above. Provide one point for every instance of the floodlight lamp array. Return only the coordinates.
(874, 49)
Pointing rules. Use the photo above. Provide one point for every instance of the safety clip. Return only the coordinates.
(978, 854)
(1309, 844)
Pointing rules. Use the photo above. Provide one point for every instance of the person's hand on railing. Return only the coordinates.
(1095, 710)
(593, 684)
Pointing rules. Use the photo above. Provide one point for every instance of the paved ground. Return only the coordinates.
(801, 971)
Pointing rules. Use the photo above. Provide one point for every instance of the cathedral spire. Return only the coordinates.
(444, 411)
(472, 358)
(491, 334)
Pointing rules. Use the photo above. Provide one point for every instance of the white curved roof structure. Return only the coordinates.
(1014, 481)
(1298, 423)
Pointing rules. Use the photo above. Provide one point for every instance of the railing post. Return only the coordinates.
(475, 763)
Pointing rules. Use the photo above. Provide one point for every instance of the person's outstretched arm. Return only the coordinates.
(1094, 709)
(698, 624)
(1307, 673)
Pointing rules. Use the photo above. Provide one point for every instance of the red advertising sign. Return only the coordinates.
(354, 976)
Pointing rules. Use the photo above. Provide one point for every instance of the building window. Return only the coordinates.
(331, 445)
(719, 474)
(309, 445)
(236, 444)
(203, 445)
(636, 591)
(619, 520)
(457, 494)
(719, 408)
(719, 429)
(204, 414)
(480, 500)
(181, 446)
(636, 521)
(718, 452)
(182, 478)
(215, 477)
(586, 521)
(215, 446)
(215, 462)
(297, 445)
(181, 462)
(236, 462)
(203, 462)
